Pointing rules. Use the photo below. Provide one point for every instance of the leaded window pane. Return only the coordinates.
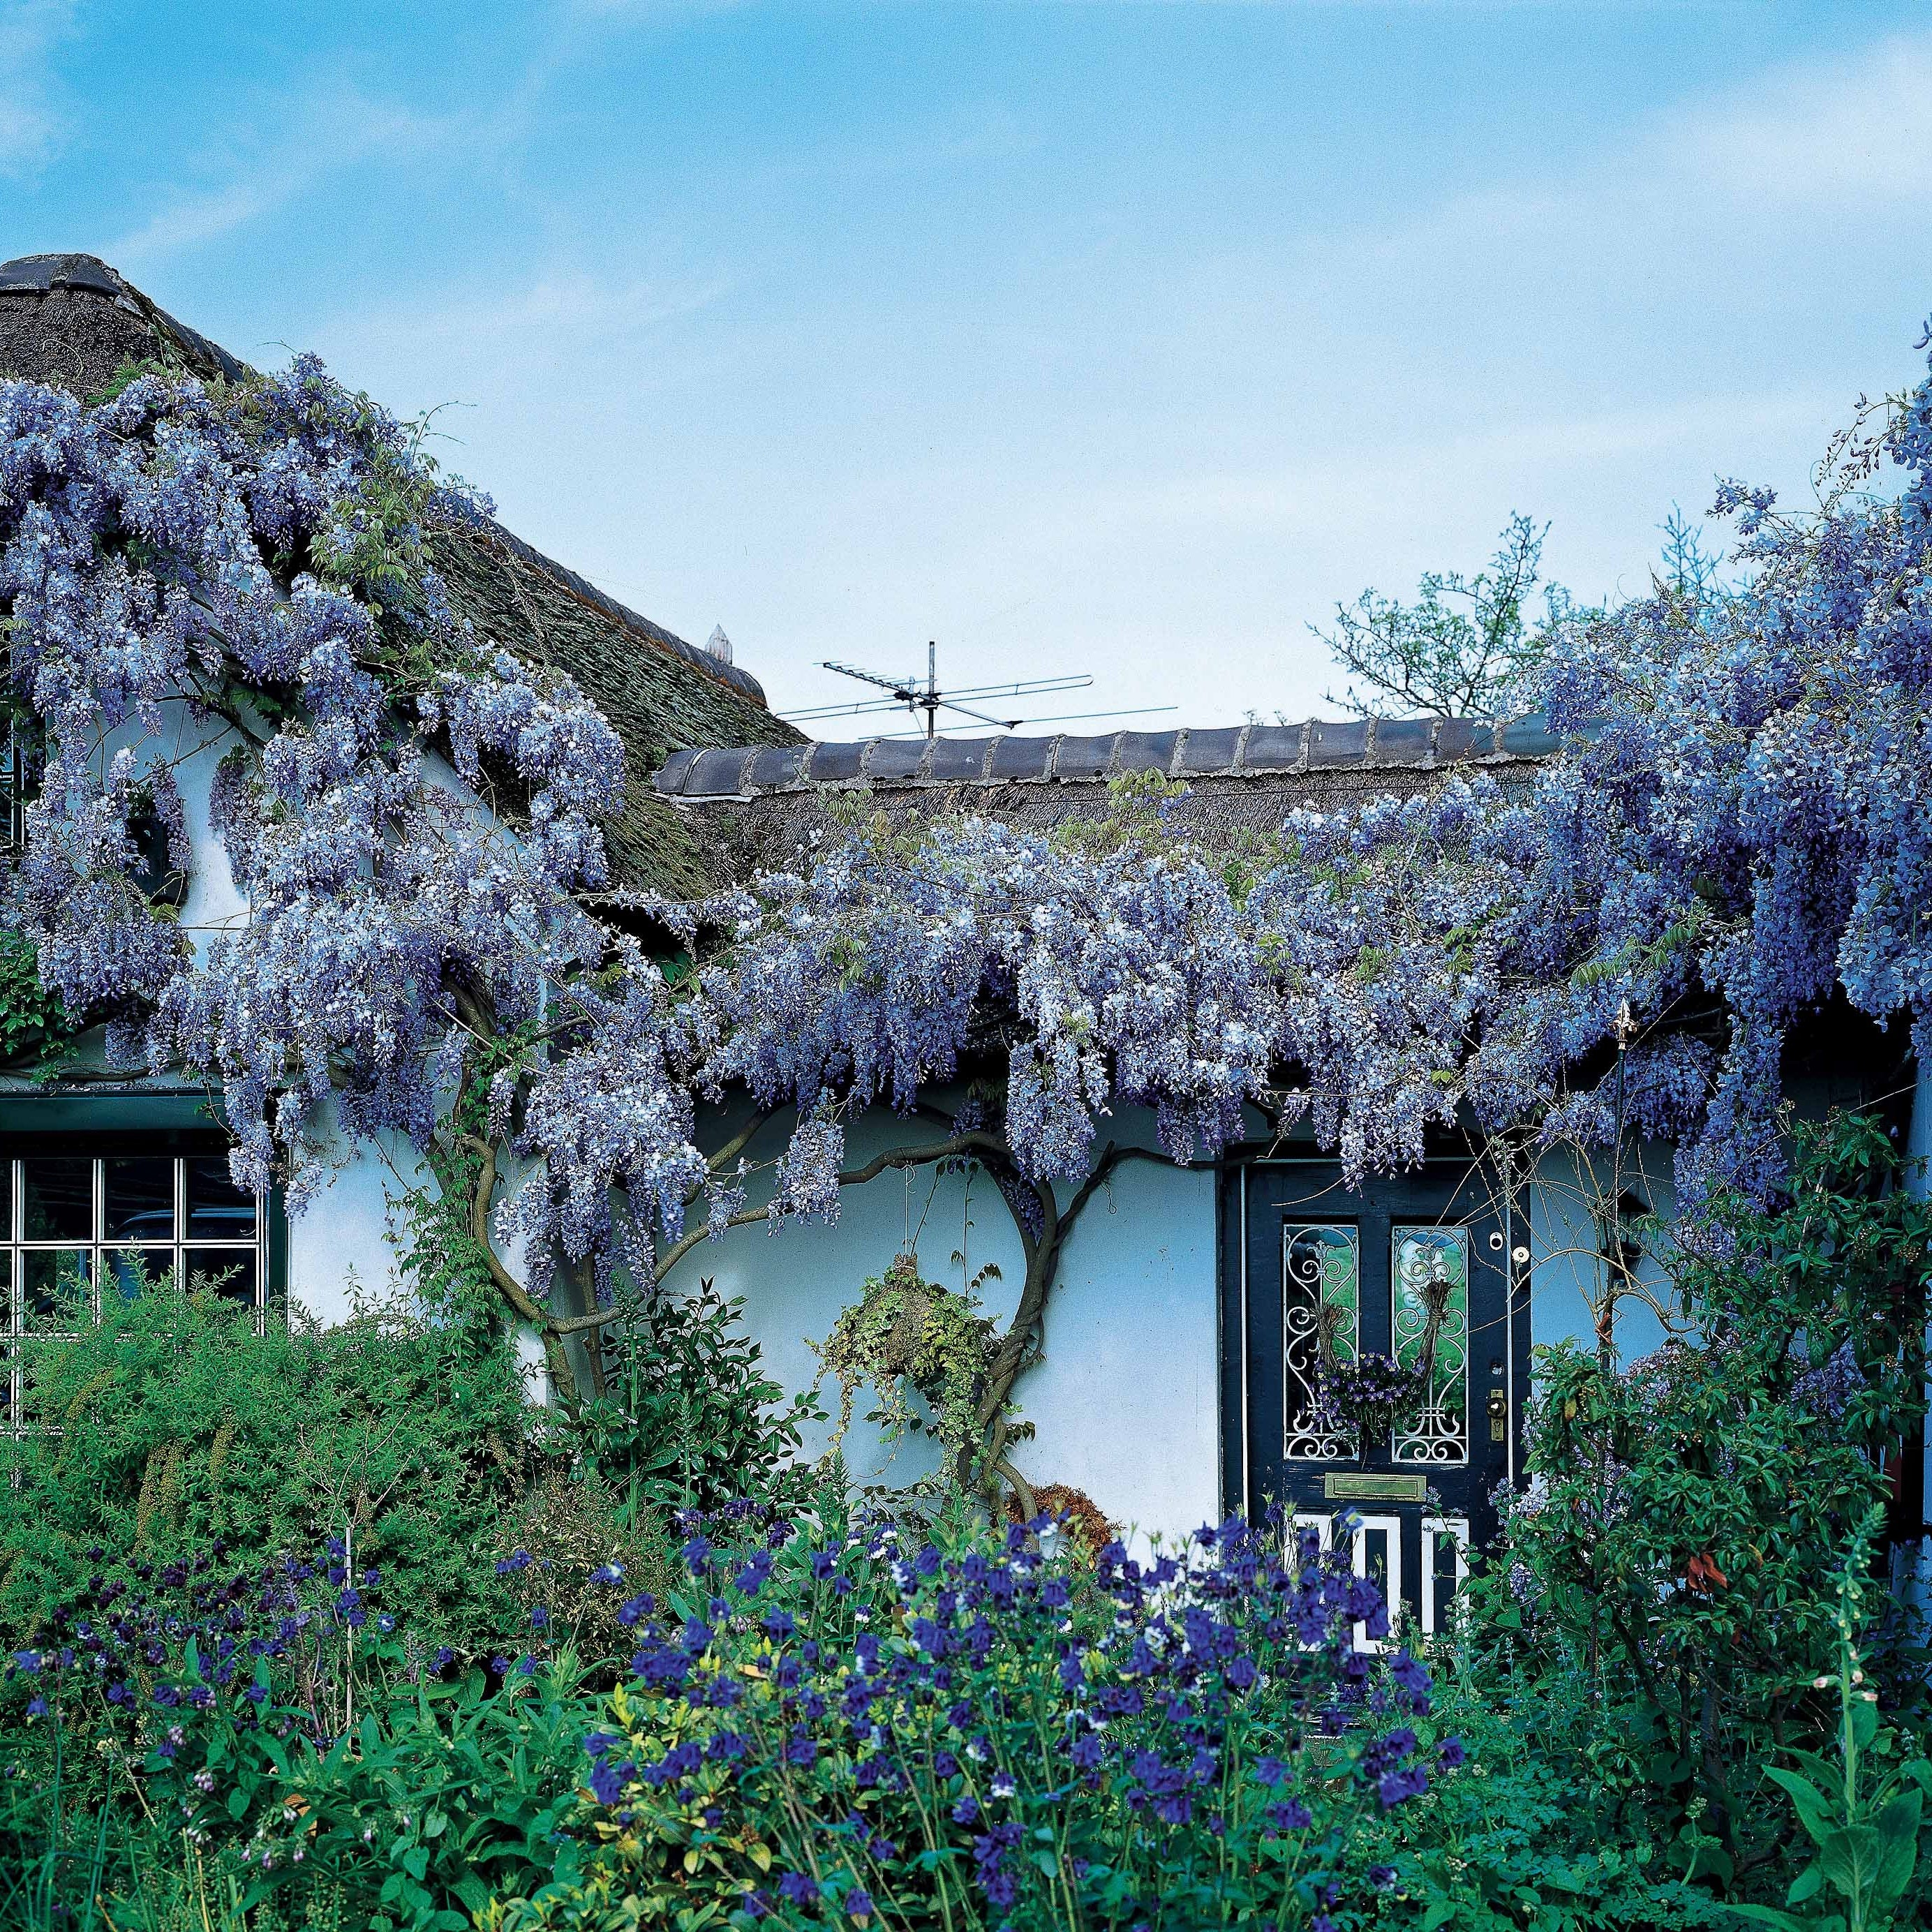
(139, 1194)
(127, 1222)
(1322, 1286)
(59, 1199)
(55, 1290)
(1429, 1288)
(217, 1210)
(129, 1272)
(227, 1272)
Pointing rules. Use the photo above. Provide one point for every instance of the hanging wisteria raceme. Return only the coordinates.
(1125, 977)
(1618, 939)
(256, 554)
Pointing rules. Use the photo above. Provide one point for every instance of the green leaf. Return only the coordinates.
(1898, 1849)
(1821, 1770)
(1440, 1913)
(1768, 1915)
(1816, 1812)
(1850, 1856)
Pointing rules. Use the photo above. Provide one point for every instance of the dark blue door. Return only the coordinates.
(1428, 1269)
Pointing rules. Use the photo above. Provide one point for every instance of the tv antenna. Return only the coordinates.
(929, 699)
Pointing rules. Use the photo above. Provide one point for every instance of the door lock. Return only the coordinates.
(1498, 1412)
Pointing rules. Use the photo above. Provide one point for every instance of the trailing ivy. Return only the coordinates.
(34, 1028)
(907, 1336)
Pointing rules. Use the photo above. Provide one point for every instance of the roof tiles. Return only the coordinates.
(1245, 751)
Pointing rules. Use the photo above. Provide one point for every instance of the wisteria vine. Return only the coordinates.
(1739, 826)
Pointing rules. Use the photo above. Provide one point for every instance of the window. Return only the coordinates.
(1321, 1292)
(1428, 1294)
(78, 1225)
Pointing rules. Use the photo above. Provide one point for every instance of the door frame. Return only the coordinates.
(1233, 1335)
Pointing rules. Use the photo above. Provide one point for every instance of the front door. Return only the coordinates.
(1418, 1268)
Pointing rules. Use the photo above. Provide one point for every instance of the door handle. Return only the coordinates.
(1498, 1406)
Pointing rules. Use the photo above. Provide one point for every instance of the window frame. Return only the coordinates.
(19, 1343)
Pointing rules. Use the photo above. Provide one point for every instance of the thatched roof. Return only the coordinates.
(753, 806)
(73, 321)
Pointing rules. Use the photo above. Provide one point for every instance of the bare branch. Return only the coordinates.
(956, 1145)
(512, 1290)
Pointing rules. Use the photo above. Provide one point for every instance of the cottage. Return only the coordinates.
(1176, 1372)
(1170, 1318)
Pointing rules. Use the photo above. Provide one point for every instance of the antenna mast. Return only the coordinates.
(929, 699)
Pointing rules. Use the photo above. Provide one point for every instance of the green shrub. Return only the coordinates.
(688, 1418)
(1676, 1557)
(172, 1424)
(1532, 1836)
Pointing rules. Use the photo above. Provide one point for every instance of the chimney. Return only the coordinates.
(718, 644)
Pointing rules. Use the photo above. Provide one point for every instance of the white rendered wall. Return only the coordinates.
(1124, 1397)
(1566, 1266)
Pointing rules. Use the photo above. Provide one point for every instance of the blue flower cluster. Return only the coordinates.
(146, 1644)
(869, 1725)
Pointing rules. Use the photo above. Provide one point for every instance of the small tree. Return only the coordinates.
(1463, 646)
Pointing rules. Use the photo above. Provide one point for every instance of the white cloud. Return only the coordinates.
(569, 308)
(1850, 138)
(1858, 130)
(1533, 452)
(285, 149)
(33, 120)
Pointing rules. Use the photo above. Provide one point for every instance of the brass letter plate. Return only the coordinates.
(1376, 1488)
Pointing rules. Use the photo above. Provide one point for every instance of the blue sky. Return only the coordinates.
(1120, 338)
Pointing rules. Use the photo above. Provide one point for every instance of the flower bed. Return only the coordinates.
(883, 1729)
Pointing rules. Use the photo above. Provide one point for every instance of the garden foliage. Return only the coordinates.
(993, 1740)
(832, 1719)
(688, 1418)
(821, 1719)
(1685, 1512)
(172, 1425)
